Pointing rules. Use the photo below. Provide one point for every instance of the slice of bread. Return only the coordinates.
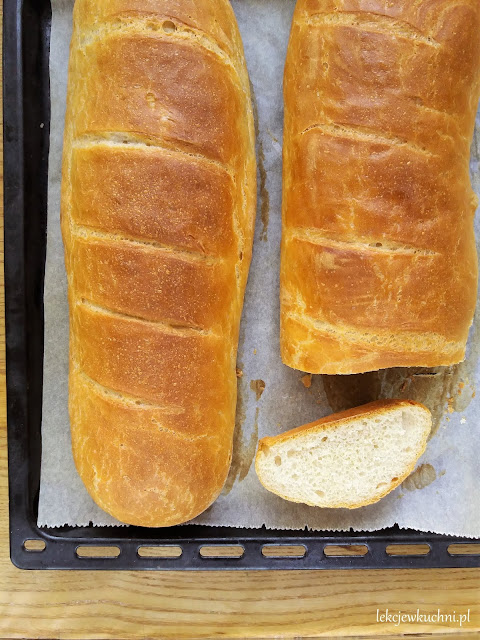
(349, 459)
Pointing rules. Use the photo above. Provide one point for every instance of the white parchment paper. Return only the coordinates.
(442, 494)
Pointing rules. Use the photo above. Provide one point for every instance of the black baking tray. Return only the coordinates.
(26, 36)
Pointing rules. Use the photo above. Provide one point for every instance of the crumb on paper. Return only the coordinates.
(264, 194)
(274, 139)
(307, 380)
(254, 352)
(258, 387)
(239, 372)
(423, 475)
(463, 420)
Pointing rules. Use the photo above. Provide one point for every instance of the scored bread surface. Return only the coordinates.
(158, 207)
(379, 265)
(349, 459)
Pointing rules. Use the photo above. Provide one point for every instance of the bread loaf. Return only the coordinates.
(349, 459)
(158, 207)
(379, 266)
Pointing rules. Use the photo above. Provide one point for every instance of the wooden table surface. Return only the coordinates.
(220, 604)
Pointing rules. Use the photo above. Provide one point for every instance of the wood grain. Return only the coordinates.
(220, 605)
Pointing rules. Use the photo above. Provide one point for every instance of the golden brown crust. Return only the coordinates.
(333, 421)
(121, 72)
(122, 193)
(213, 19)
(377, 206)
(158, 207)
(152, 284)
(135, 460)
